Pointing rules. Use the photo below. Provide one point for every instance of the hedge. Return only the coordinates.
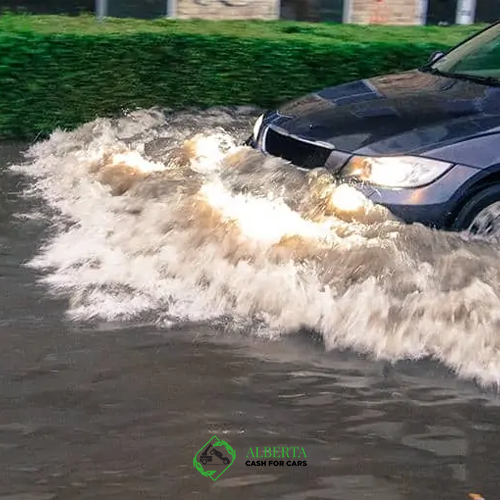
(58, 71)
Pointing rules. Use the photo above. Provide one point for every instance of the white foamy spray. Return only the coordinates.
(166, 217)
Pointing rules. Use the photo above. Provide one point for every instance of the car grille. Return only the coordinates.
(300, 153)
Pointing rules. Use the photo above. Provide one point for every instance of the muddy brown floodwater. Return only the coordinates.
(156, 293)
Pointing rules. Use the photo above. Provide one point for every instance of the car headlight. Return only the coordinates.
(395, 171)
(256, 127)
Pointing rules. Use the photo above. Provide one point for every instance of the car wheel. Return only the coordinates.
(226, 461)
(481, 214)
(204, 461)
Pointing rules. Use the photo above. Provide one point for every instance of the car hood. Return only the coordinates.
(409, 113)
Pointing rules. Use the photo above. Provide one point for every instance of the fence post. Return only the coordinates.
(171, 8)
(101, 8)
(421, 17)
(346, 11)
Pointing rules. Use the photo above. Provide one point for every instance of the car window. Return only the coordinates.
(479, 56)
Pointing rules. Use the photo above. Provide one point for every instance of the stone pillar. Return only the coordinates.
(228, 9)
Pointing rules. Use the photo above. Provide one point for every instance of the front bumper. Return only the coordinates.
(435, 205)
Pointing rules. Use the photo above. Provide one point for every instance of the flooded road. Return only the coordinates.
(157, 292)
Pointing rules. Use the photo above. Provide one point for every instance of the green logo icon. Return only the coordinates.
(214, 458)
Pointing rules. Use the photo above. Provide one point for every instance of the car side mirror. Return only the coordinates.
(435, 56)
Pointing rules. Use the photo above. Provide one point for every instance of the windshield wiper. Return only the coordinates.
(485, 80)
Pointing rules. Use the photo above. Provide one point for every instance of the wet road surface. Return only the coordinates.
(100, 408)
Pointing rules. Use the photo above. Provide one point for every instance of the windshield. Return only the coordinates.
(479, 57)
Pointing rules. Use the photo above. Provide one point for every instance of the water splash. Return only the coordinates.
(167, 217)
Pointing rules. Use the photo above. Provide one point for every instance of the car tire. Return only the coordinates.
(483, 203)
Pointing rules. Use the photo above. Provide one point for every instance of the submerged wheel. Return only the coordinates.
(487, 221)
(481, 214)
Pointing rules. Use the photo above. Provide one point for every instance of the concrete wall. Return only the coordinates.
(228, 9)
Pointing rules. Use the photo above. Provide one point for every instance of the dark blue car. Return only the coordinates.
(424, 143)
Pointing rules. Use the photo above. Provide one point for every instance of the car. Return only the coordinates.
(423, 143)
(224, 459)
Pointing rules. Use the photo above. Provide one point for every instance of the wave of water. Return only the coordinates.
(165, 217)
